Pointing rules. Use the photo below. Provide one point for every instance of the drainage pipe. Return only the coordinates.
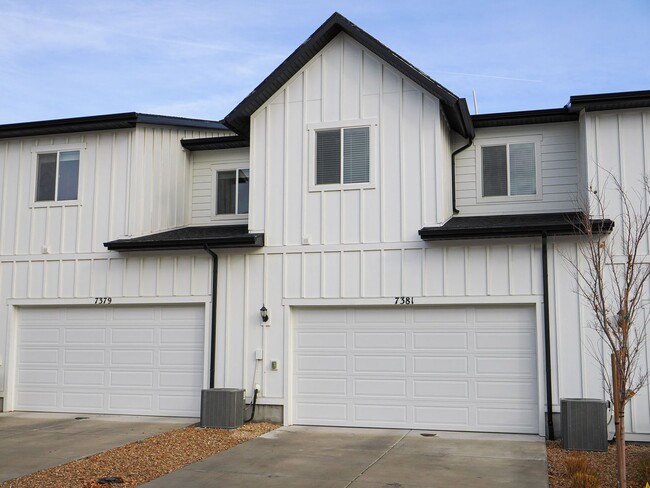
(547, 342)
(453, 173)
(213, 320)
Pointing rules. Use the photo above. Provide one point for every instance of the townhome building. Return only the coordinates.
(348, 240)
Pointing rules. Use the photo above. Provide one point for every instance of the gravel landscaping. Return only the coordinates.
(139, 462)
(601, 465)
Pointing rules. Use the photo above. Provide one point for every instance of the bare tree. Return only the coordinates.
(611, 277)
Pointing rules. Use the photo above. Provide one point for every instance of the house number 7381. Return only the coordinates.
(404, 301)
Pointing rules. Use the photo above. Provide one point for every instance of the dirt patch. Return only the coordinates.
(601, 464)
(144, 460)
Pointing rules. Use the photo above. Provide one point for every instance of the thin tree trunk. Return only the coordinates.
(620, 451)
(619, 423)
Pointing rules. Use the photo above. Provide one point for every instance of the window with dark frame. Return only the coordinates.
(509, 170)
(57, 177)
(232, 192)
(343, 156)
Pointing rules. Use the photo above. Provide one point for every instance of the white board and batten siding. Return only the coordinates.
(449, 368)
(54, 253)
(560, 178)
(342, 83)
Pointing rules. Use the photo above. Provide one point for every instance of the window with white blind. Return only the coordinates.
(509, 170)
(342, 157)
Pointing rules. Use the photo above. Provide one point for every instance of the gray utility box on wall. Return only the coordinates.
(584, 424)
(222, 408)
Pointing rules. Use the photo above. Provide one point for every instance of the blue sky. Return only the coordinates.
(199, 58)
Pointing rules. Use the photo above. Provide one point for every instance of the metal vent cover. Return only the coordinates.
(584, 424)
(222, 408)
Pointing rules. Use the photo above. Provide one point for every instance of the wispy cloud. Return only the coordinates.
(495, 77)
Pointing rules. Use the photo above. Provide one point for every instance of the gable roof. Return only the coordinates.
(454, 108)
(102, 122)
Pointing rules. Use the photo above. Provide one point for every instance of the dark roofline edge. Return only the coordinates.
(252, 240)
(124, 120)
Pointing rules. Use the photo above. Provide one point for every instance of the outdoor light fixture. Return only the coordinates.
(264, 313)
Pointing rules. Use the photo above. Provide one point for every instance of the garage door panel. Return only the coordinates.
(78, 401)
(377, 413)
(83, 357)
(508, 366)
(324, 340)
(437, 368)
(379, 340)
(445, 416)
(505, 341)
(140, 379)
(39, 335)
(324, 413)
(440, 341)
(439, 315)
(322, 386)
(133, 336)
(84, 336)
(37, 377)
(379, 364)
(441, 389)
(111, 360)
(83, 378)
(379, 388)
(440, 365)
(38, 356)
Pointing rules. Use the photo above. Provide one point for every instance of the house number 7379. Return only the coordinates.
(404, 301)
(103, 300)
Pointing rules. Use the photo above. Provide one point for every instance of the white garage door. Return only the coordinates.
(446, 368)
(140, 360)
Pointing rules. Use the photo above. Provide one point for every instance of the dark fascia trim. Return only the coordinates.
(503, 119)
(600, 226)
(210, 143)
(250, 240)
(125, 120)
(609, 101)
(239, 118)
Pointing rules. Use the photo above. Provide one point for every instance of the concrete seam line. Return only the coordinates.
(377, 460)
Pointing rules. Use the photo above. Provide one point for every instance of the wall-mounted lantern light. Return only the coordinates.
(264, 313)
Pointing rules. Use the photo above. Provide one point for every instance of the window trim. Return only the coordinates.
(57, 148)
(230, 218)
(372, 124)
(507, 141)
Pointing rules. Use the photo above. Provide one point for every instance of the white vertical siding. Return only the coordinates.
(559, 171)
(345, 82)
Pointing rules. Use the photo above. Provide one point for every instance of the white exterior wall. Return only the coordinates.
(131, 182)
(559, 150)
(345, 82)
(204, 164)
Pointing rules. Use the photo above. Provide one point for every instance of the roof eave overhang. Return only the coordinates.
(215, 143)
(239, 118)
(126, 120)
(600, 226)
(609, 101)
(251, 240)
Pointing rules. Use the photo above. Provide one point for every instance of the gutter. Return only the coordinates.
(468, 127)
(453, 172)
(213, 319)
(547, 342)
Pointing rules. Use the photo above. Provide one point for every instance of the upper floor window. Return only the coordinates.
(342, 155)
(509, 170)
(57, 176)
(232, 192)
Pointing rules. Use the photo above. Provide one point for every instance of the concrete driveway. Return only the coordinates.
(33, 441)
(321, 457)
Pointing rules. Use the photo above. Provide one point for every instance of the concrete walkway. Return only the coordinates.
(30, 442)
(321, 457)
